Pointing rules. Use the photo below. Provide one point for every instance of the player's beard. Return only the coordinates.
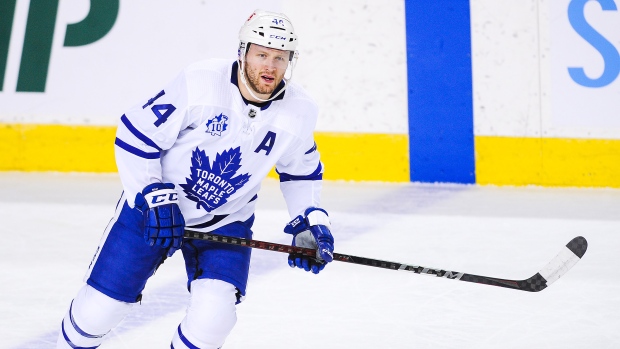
(253, 78)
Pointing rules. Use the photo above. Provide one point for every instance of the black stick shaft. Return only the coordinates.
(533, 284)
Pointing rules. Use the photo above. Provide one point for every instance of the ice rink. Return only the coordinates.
(52, 223)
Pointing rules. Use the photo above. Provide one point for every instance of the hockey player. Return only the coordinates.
(193, 156)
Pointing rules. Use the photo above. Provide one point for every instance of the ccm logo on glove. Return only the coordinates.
(163, 221)
(161, 197)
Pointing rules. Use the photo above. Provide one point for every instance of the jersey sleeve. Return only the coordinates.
(301, 171)
(147, 130)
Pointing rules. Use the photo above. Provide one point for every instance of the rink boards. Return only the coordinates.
(480, 91)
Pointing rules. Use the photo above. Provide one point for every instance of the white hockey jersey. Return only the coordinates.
(201, 135)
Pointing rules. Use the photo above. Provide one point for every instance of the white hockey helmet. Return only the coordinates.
(268, 29)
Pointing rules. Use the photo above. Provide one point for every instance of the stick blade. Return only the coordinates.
(558, 266)
(578, 246)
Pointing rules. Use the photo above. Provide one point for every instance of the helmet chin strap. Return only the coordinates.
(251, 90)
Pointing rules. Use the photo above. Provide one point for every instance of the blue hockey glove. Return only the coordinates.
(311, 231)
(164, 224)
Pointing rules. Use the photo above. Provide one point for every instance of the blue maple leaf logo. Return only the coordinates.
(210, 185)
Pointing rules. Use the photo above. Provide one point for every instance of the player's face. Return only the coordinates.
(265, 68)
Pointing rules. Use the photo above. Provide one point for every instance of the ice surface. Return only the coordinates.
(52, 223)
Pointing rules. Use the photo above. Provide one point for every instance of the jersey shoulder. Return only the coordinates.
(295, 92)
(298, 100)
(299, 110)
(206, 77)
(213, 65)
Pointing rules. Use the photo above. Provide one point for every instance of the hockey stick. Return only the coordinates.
(556, 268)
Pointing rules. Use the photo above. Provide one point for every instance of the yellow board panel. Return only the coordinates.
(547, 161)
(59, 148)
(363, 156)
(346, 156)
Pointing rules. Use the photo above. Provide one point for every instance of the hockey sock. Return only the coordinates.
(210, 317)
(90, 317)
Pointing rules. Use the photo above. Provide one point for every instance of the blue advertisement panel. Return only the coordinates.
(439, 72)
